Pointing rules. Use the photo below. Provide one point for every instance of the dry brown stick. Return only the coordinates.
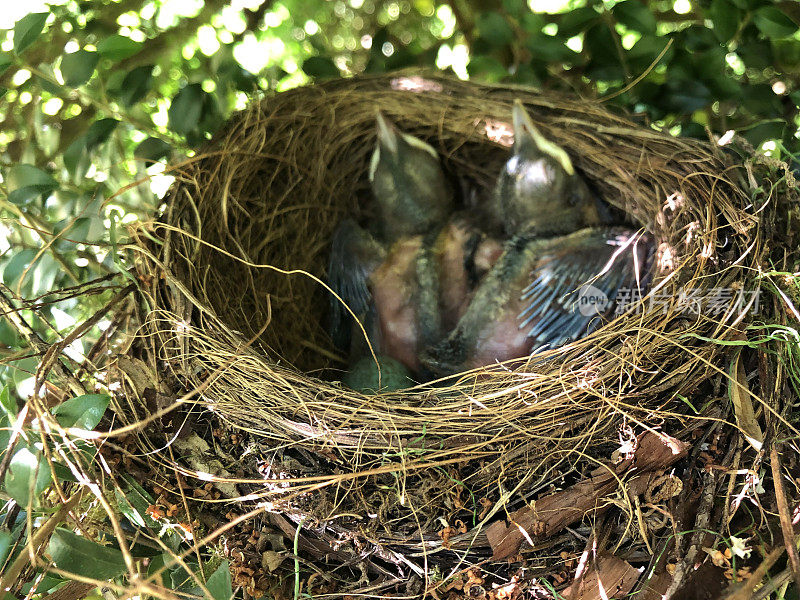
(773, 584)
(784, 513)
(700, 528)
(73, 590)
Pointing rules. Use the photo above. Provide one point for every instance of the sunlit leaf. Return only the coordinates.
(82, 412)
(219, 584)
(186, 109)
(28, 468)
(78, 555)
(99, 132)
(136, 84)
(78, 67)
(28, 29)
(118, 47)
(27, 182)
(774, 23)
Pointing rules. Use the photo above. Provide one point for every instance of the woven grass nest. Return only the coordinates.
(238, 311)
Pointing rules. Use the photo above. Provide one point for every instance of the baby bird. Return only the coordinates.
(559, 242)
(410, 188)
(538, 191)
(413, 198)
(530, 300)
(408, 295)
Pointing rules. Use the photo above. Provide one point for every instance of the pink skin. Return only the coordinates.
(454, 281)
(503, 341)
(392, 287)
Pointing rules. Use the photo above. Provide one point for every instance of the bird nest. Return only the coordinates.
(234, 272)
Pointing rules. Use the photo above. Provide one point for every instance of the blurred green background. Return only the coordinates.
(99, 94)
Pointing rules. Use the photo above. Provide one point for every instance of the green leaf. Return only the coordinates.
(76, 158)
(9, 406)
(27, 467)
(136, 84)
(152, 149)
(576, 21)
(78, 555)
(749, 4)
(5, 61)
(186, 108)
(14, 268)
(5, 436)
(635, 15)
(515, 7)
(8, 335)
(134, 503)
(6, 541)
(494, 29)
(547, 49)
(118, 47)
(725, 17)
(27, 182)
(40, 586)
(487, 68)
(219, 584)
(99, 132)
(83, 412)
(27, 29)
(78, 67)
(774, 23)
(321, 67)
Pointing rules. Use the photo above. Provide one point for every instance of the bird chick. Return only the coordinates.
(407, 296)
(538, 190)
(411, 191)
(530, 300)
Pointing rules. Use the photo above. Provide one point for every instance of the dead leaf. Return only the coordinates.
(739, 393)
(271, 560)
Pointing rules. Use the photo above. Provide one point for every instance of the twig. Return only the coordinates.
(74, 590)
(784, 513)
(773, 584)
(700, 528)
